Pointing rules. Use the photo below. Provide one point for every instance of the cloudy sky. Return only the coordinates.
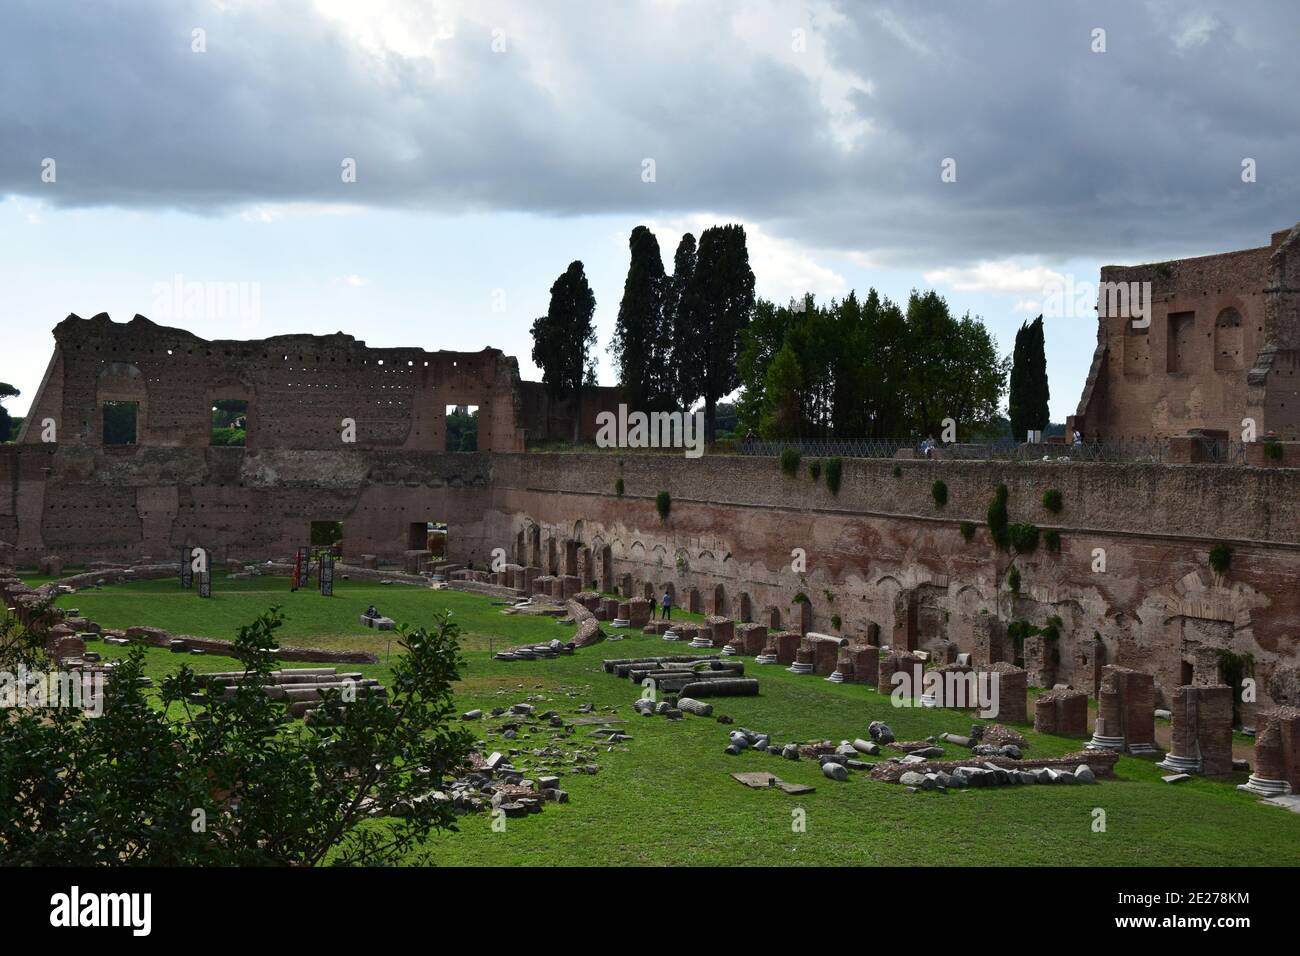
(493, 143)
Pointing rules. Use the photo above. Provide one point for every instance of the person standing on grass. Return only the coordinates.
(668, 606)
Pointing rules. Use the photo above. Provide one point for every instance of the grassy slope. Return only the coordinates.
(669, 799)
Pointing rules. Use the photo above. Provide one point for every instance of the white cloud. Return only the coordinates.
(783, 269)
(1005, 276)
(355, 281)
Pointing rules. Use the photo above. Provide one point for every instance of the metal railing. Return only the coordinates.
(1149, 450)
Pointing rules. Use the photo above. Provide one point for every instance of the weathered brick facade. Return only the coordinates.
(1222, 345)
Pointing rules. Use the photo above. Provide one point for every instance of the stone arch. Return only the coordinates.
(607, 569)
(552, 565)
(693, 603)
(1228, 343)
(773, 615)
(719, 603)
(745, 608)
(534, 546)
(801, 615)
(521, 550)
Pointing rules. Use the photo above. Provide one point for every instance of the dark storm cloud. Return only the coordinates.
(1059, 150)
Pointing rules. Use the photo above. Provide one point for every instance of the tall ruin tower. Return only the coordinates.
(1201, 343)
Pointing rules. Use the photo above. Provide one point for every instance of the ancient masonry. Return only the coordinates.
(886, 566)
(1219, 343)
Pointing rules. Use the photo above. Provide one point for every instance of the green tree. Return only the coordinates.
(563, 338)
(1029, 393)
(782, 385)
(721, 292)
(642, 345)
(679, 309)
(127, 787)
(955, 371)
(8, 429)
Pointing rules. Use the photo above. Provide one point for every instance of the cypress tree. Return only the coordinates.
(641, 344)
(562, 339)
(1029, 393)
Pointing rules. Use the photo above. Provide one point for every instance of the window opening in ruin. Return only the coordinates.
(120, 423)
(1180, 345)
(462, 428)
(427, 536)
(327, 534)
(229, 422)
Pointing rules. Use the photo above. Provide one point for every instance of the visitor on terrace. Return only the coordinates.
(668, 606)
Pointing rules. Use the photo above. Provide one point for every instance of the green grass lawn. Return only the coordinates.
(669, 799)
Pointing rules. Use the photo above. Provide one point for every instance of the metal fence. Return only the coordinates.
(1153, 450)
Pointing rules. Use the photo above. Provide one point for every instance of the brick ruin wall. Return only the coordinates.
(1223, 344)
(881, 557)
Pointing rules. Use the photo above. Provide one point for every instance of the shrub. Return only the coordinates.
(618, 487)
(939, 492)
(836, 622)
(833, 469)
(790, 461)
(799, 598)
(1024, 538)
(1052, 538)
(1273, 450)
(662, 505)
(968, 530)
(307, 793)
(815, 469)
(1052, 500)
(997, 518)
(898, 471)
(1220, 558)
(1013, 579)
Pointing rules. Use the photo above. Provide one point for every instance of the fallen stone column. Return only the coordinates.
(722, 687)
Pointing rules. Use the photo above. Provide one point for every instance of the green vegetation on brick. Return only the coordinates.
(618, 487)
(790, 461)
(939, 492)
(1052, 538)
(663, 504)
(1220, 558)
(1024, 537)
(967, 530)
(834, 470)
(1052, 500)
(815, 469)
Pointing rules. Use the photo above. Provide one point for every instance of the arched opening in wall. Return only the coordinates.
(607, 570)
(552, 565)
(327, 535)
(693, 603)
(427, 536)
(719, 601)
(571, 557)
(462, 428)
(1228, 341)
(1181, 348)
(802, 613)
(229, 422)
(120, 422)
(534, 546)
(746, 610)
(521, 551)
(1187, 673)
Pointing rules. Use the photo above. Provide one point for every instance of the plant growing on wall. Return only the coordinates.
(1013, 579)
(997, 517)
(939, 492)
(967, 530)
(1024, 537)
(815, 469)
(898, 471)
(1052, 500)
(836, 622)
(790, 461)
(1273, 449)
(618, 487)
(799, 598)
(1052, 538)
(662, 505)
(834, 468)
(1220, 558)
